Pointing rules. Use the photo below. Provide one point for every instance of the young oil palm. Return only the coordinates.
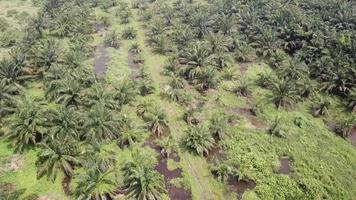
(157, 122)
(143, 182)
(199, 139)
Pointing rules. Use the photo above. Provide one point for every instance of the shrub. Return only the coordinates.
(112, 39)
(129, 33)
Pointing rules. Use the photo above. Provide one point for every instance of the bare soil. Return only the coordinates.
(101, 62)
(285, 166)
(174, 192)
(240, 186)
(14, 163)
(243, 68)
(216, 154)
(246, 112)
(133, 65)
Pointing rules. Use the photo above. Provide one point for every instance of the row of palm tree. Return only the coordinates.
(78, 122)
(210, 36)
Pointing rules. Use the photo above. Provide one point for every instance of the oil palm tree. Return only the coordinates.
(64, 124)
(7, 92)
(199, 139)
(125, 92)
(156, 121)
(28, 124)
(93, 184)
(168, 145)
(10, 72)
(56, 156)
(100, 125)
(143, 182)
(351, 100)
(66, 92)
(130, 133)
(98, 94)
(197, 54)
(208, 79)
(320, 107)
(103, 155)
(284, 93)
(46, 53)
(218, 42)
(222, 171)
(219, 126)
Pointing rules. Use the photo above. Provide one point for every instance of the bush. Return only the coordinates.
(112, 39)
(129, 33)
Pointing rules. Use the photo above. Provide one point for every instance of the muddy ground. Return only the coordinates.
(101, 61)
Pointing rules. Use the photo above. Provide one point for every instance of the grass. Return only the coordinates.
(25, 177)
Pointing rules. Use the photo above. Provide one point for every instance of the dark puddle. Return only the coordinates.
(134, 63)
(352, 136)
(285, 166)
(101, 61)
(240, 186)
(174, 192)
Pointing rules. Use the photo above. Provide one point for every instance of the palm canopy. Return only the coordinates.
(56, 156)
(141, 180)
(64, 124)
(28, 124)
(93, 184)
(100, 125)
(156, 121)
(199, 139)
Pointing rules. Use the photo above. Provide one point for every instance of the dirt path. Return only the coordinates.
(194, 165)
(133, 65)
(174, 192)
(101, 61)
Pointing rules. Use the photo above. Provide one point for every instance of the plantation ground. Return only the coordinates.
(321, 162)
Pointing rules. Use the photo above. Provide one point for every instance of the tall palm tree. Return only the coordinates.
(46, 53)
(199, 139)
(103, 155)
(100, 125)
(10, 72)
(125, 92)
(98, 94)
(218, 42)
(143, 182)
(66, 92)
(197, 54)
(130, 133)
(93, 184)
(28, 124)
(57, 155)
(64, 124)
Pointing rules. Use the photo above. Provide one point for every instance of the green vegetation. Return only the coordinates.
(177, 99)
